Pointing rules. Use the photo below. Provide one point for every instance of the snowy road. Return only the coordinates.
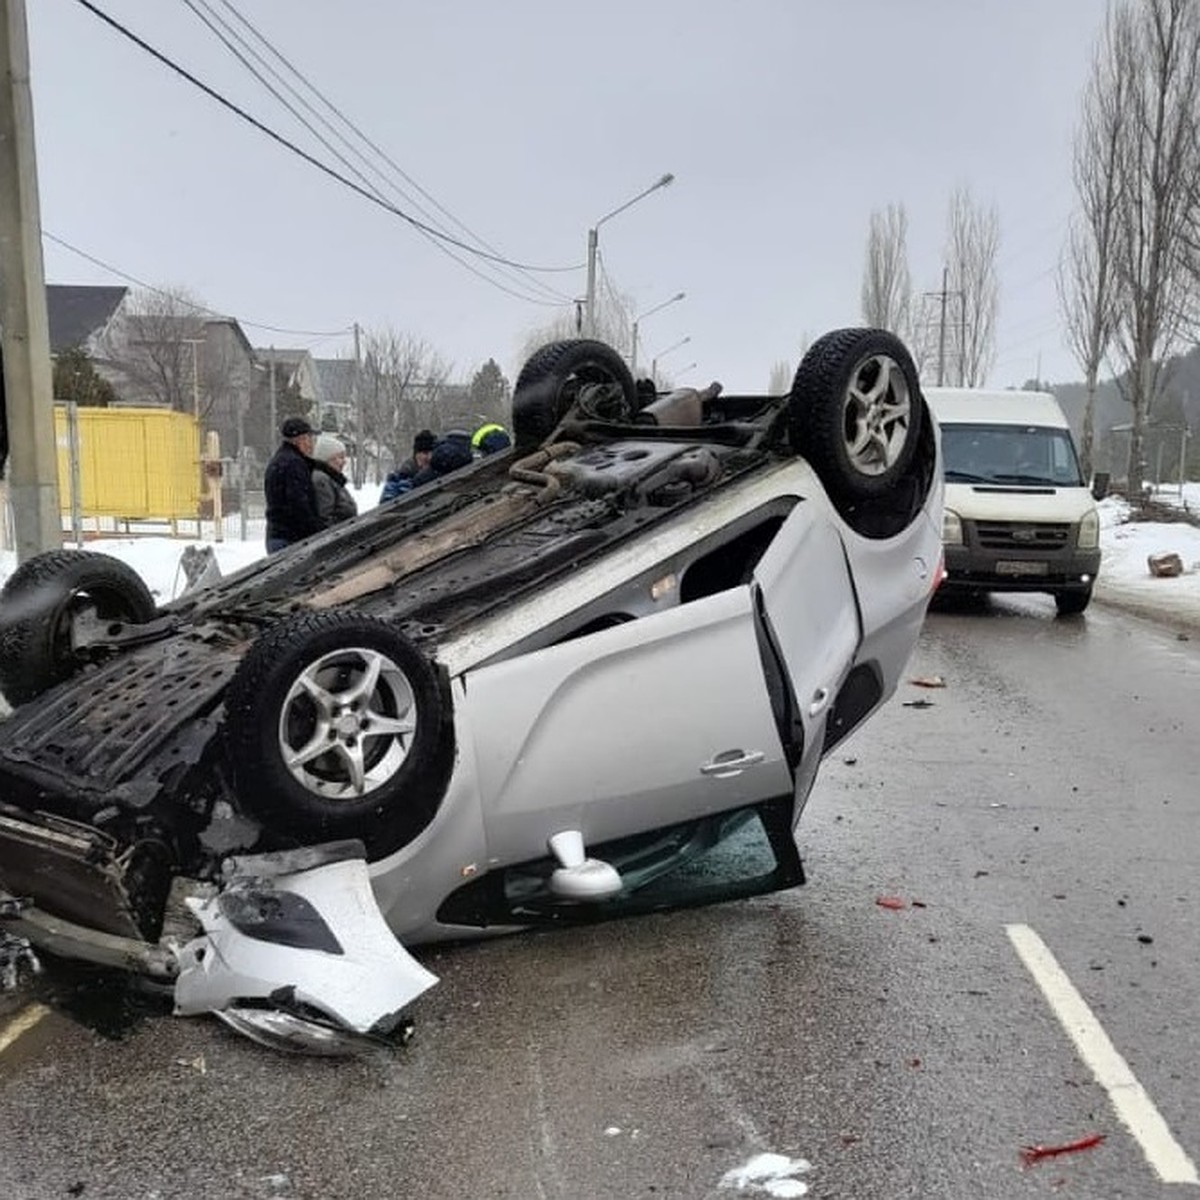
(874, 1052)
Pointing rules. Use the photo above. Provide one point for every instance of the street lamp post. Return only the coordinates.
(663, 354)
(648, 313)
(593, 239)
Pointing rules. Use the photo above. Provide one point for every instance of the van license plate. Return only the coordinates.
(1022, 568)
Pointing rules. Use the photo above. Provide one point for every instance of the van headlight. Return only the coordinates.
(951, 528)
(1089, 530)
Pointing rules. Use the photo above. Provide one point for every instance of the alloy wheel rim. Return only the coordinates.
(347, 723)
(876, 410)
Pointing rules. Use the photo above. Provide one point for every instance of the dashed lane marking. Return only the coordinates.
(1133, 1106)
(23, 1022)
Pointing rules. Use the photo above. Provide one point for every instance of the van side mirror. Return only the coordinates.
(1100, 485)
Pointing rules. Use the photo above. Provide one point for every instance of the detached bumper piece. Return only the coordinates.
(296, 955)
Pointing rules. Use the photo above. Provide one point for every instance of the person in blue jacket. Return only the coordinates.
(449, 454)
(400, 480)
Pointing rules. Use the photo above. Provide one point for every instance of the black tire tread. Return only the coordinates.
(24, 661)
(271, 796)
(816, 409)
(535, 404)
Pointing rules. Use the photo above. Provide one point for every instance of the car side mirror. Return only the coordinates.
(1100, 485)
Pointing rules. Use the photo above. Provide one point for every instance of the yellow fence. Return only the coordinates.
(134, 463)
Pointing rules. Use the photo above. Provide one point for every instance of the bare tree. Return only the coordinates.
(168, 349)
(614, 325)
(972, 240)
(1086, 272)
(400, 384)
(886, 283)
(154, 352)
(780, 382)
(1155, 46)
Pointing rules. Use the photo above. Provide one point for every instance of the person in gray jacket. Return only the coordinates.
(334, 502)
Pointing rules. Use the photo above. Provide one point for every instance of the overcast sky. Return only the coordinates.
(785, 122)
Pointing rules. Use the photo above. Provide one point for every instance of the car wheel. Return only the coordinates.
(43, 602)
(856, 412)
(560, 375)
(1070, 604)
(339, 727)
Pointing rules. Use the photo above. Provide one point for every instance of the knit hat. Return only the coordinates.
(424, 442)
(295, 427)
(327, 447)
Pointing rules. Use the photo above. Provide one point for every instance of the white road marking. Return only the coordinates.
(23, 1022)
(1133, 1106)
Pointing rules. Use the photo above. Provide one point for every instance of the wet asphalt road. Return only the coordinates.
(1052, 783)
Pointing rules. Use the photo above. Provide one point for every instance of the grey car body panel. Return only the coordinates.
(603, 734)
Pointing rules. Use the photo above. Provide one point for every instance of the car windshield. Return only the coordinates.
(1010, 454)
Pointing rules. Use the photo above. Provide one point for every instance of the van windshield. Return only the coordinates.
(1010, 454)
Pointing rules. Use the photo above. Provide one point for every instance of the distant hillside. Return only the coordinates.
(1179, 404)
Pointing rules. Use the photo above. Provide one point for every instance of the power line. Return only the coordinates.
(289, 145)
(212, 312)
(368, 142)
(208, 17)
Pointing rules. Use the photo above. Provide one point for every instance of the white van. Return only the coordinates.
(1019, 516)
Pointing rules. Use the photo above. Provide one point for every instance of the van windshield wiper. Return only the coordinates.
(955, 476)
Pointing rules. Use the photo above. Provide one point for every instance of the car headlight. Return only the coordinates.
(951, 528)
(1089, 530)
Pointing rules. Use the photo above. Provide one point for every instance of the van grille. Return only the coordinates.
(1021, 535)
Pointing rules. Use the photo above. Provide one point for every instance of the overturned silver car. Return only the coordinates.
(551, 688)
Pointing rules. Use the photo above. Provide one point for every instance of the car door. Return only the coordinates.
(646, 723)
(813, 617)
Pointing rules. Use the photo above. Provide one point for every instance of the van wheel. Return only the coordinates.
(43, 603)
(856, 412)
(1070, 604)
(338, 727)
(580, 372)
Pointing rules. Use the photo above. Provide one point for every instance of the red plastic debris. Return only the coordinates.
(1032, 1154)
(890, 902)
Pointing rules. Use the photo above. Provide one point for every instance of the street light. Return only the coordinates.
(648, 313)
(592, 240)
(663, 354)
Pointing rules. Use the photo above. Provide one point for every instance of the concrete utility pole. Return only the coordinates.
(24, 325)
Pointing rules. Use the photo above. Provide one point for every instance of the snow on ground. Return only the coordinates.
(1124, 578)
(157, 559)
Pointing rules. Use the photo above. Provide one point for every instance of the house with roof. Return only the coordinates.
(81, 315)
(335, 392)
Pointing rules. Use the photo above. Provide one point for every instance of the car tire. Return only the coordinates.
(856, 412)
(38, 604)
(298, 684)
(557, 375)
(1071, 604)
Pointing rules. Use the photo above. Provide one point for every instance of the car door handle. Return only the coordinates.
(723, 767)
(819, 701)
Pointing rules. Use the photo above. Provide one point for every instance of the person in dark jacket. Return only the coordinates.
(291, 500)
(449, 454)
(334, 502)
(401, 479)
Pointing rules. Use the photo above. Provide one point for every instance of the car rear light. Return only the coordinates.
(939, 573)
